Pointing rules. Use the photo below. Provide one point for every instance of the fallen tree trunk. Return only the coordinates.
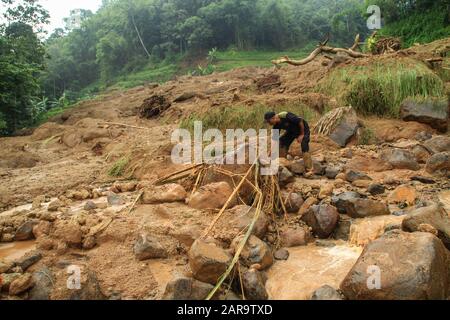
(323, 48)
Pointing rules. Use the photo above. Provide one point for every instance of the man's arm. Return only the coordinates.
(302, 131)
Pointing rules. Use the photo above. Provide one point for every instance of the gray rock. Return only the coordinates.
(297, 167)
(282, 254)
(254, 252)
(326, 293)
(439, 164)
(90, 289)
(340, 201)
(331, 172)
(342, 231)
(400, 159)
(115, 199)
(254, 283)
(431, 112)
(28, 260)
(184, 288)
(25, 231)
(438, 144)
(43, 284)
(90, 205)
(376, 189)
(292, 201)
(148, 247)
(285, 176)
(353, 176)
(424, 180)
(346, 129)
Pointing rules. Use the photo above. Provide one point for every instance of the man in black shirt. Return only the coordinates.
(295, 128)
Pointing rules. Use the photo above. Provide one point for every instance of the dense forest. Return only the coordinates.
(39, 72)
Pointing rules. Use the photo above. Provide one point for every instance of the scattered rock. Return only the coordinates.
(342, 231)
(187, 234)
(148, 247)
(423, 180)
(403, 194)
(342, 200)
(433, 113)
(361, 183)
(254, 283)
(21, 284)
(90, 288)
(90, 205)
(281, 254)
(332, 172)
(211, 196)
(297, 167)
(89, 243)
(439, 164)
(285, 176)
(184, 288)
(362, 208)
(307, 204)
(323, 219)
(43, 280)
(208, 261)
(438, 144)
(295, 237)
(376, 189)
(326, 293)
(255, 251)
(400, 159)
(413, 266)
(115, 199)
(243, 216)
(346, 128)
(25, 231)
(164, 194)
(421, 153)
(7, 279)
(28, 260)
(352, 176)
(434, 216)
(292, 201)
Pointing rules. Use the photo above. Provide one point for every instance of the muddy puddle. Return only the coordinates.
(307, 269)
(15, 250)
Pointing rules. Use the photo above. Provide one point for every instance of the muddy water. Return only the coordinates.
(309, 268)
(15, 250)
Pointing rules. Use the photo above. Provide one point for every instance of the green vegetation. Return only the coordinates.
(118, 168)
(419, 21)
(367, 137)
(242, 117)
(380, 88)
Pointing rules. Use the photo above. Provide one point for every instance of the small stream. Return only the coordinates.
(15, 250)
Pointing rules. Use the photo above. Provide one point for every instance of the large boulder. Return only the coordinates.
(439, 164)
(43, 284)
(362, 208)
(400, 159)
(211, 196)
(208, 261)
(164, 194)
(184, 288)
(434, 215)
(323, 219)
(254, 252)
(410, 266)
(69, 232)
(346, 128)
(433, 113)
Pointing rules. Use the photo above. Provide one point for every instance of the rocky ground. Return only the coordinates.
(385, 204)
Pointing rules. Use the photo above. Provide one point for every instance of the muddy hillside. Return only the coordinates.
(95, 190)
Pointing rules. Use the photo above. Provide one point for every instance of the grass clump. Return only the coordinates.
(242, 117)
(118, 168)
(381, 87)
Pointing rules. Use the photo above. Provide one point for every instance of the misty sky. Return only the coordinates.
(59, 9)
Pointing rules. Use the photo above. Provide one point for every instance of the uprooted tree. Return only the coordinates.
(388, 45)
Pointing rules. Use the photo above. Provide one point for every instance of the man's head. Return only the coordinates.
(271, 118)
